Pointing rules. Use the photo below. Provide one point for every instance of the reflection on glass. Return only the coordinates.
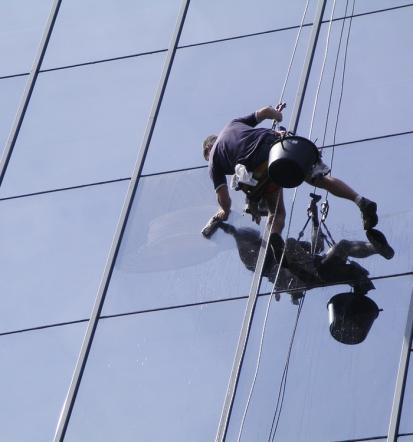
(167, 366)
(369, 83)
(53, 250)
(365, 166)
(10, 92)
(229, 18)
(406, 423)
(333, 383)
(83, 125)
(101, 29)
(164, 260)
(21, 29)
(36, 371)
(211, 85)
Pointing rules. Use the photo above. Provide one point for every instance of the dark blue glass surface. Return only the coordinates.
(83, 125)
(332, 389)
(159, 376)
(376, 74)
(36, 371)
(229, 18)
(406, 421)
(101, 29)
(164, 260)
(21, 28)
(11, 90)
(54, 248)
(212, 84)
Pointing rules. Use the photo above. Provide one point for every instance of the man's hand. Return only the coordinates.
(269, 113)
(221, 215)
(224, 201)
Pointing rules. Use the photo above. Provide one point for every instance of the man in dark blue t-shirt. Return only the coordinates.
(240, 142)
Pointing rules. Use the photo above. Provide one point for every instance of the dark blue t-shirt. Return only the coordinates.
(236, 144)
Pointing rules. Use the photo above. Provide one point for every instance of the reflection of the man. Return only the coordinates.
(303, 268)
(248, 243)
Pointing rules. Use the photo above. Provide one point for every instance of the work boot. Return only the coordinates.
(368, 212)
(379, 242)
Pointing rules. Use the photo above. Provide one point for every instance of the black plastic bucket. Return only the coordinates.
(351, 317)
(290, 159)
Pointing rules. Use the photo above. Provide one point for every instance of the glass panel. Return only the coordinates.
(83, 125)
(21, 28)
(406, 424)
(10, 93)
(361, 7)
(100, 29)
(408, 438)
(163, 247)
(370, 83)
(334, 391)
(210, 85)
(54, 248)
(172, 367)
(228, 18)
(36, 371)
(389, 186)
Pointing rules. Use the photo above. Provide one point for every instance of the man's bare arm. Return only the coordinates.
(224, 201)
(268, 113)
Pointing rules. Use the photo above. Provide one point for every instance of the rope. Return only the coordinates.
(322, 69)
(339, 106)
(276, 209)
(281, 393)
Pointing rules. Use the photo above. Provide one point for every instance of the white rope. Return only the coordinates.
(261, 345)
(322, 70)
(287, 76)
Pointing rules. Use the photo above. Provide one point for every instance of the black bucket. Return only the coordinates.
(290, 160)
(351, 317)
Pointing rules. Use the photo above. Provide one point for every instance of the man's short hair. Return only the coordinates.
(208, 142)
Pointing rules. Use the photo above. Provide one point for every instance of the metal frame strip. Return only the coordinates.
(100, 297)
(31, 81)
(401, 376)
(256, 282)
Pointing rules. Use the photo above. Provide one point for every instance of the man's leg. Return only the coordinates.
(345, 248)
(342, 190)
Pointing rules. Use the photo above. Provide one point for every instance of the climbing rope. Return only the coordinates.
(280, 398)
(275, 122)
(322, 70)
(330, 240)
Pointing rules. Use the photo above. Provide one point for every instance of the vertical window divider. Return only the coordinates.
(126, 209)
(27, 94)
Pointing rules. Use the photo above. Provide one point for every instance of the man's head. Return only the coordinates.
(207, 146)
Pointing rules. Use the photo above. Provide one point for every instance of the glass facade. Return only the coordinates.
(114, 306)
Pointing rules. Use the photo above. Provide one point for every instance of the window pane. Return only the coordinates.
(371, 82)
(36, 371)
(406, 424)
(10, 93)
(361, 7)
(210, 85)
(21, 28)
(334, 391)
(54, 248)
(172, 367)
(228, 18)
(100, 29)
(163, 249)
(83, 125)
